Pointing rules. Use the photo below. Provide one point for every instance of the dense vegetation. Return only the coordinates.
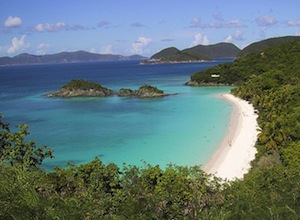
(264, 44)
(197, 53)
(275, 60)
(165, 53)
(82, 84)
(81, 88)
(220, 50)
(145, 91)
(271, 190)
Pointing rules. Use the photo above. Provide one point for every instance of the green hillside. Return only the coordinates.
(197, 53)
(275, 58)
(259, 46)
(165, 53)
(220, 50)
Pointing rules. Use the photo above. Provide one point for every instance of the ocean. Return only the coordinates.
(183, 129)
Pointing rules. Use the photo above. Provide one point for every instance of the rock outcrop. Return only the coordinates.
(144, 91)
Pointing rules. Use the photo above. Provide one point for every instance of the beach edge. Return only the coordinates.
(232, 158)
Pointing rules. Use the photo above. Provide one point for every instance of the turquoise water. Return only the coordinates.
(183, 129)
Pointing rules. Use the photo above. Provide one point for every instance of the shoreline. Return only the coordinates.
(232, 158)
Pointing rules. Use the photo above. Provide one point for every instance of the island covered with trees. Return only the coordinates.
(269, 79)
(85, 88)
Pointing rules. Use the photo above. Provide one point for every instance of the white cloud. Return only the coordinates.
(237, 36)
(50, 27)
(236, 23)
(228, 39)
(106, 49)
(293, 23)
(205, 40)
(265, 21)
(13, 21)
(18, 44)
(198, 39)
(41, 48)
(196, 23)
(138, 46)
(93, 50)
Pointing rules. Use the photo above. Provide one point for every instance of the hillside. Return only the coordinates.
(165, 53)
(63, 57)
(274, 58)
(261, 45)
(220, 50)
(197, 53)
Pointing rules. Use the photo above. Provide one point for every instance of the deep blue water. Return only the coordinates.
(184, 129)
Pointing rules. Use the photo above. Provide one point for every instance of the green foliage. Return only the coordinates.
(150, 88)
(257, 47)
(165, 53)
(274, 62)
(182, 56)
(83, 85)
(220, 50)
(199, 52)
(15, 150)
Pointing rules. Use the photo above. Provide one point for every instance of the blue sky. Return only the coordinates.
(140, 27)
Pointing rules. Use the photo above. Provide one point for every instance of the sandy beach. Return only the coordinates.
(232, 159)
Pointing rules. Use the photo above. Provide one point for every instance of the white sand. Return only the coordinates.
(233, 157)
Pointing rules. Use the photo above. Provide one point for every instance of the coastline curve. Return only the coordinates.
(233, 157)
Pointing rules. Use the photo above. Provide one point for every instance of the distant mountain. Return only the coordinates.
(64, 57)
(220, 50)
(261, 45)
(197, 53)
(165, 53)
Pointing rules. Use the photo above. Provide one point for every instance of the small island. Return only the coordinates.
(85, 88)
(81, 88)
(145, 91)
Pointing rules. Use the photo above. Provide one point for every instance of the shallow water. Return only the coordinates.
(184, 129)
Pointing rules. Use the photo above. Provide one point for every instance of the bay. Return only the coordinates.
(184, 129)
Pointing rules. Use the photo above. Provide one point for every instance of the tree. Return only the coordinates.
(14, 149)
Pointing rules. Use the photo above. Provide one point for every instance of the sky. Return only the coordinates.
(128, 27)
